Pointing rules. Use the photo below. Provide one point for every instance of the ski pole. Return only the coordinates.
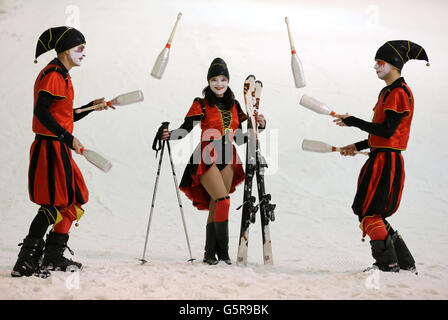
(164, 124)
(180, 203)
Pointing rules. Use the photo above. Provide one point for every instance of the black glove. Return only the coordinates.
(157, 143)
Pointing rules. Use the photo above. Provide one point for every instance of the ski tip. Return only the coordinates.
(259, 82)
(251, 76)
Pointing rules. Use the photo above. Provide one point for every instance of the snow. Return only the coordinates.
(316, 240)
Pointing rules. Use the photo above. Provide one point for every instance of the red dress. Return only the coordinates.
(53, 176)
(218, 132)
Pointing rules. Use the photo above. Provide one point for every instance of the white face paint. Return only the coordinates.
(219, 85)
(382, 69)
(77, 54)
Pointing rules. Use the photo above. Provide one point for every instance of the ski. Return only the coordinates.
(266, 208)
(249, 211)
(255, 165)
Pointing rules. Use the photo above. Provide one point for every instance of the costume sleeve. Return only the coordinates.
(43, 114)
(398, 101)
(361, 145)
(241, 115)
(193, 117)
(54, 84)
(385, 129)
(79, 116)
(195, 112)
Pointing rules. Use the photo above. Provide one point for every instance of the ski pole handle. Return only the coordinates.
(165, 124)
(157, 143)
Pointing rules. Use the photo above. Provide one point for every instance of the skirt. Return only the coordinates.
(203, 158)
(380, 184)
(53, 176)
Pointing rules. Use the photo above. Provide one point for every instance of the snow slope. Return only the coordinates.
(316, 240)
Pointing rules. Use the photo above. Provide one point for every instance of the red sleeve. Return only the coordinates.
(398, 101)
(195, 110)
(54, 84)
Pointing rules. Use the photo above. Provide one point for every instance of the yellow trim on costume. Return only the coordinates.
(421, 49)
(364, 229)
(55, 45)
(79, 212)
(49, 215)
(409, 50)
(409, 111)
(218, 64)
(397, 52)
(45, 134)
(51, 36)
(379, 221)
(228, 113)
(193, 115)
(384, 147)
(43, 44)
(51, 93)
(58, 218)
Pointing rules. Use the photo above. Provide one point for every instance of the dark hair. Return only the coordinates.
(212, 99)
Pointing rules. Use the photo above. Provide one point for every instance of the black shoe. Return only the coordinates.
(54, 254)
(222, 241)
(210, 261)
(383, 251)
(30, 256)
(210, 245)
(405, 259)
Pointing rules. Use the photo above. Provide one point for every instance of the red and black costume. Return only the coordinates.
(220, 127)
(381, 180)
(54, 180)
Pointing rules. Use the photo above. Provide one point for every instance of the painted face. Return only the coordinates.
(77, 54)
(219, 85)
(382, 69)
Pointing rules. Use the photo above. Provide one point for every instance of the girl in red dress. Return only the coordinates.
(214, 169)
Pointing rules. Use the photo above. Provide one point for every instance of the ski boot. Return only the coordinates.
(405, 259)
(222, 241)
(29, 261)
(54, 254)
(210, 245)
(383, 251)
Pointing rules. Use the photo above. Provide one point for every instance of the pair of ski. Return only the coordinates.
(255, 166)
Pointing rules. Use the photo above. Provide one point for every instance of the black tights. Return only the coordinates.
(46, 216)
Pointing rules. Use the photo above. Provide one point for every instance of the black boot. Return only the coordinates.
(210, 245)
(54, 254)
(29, 260)
(383, 251)
(222, 241)
(405, 259)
